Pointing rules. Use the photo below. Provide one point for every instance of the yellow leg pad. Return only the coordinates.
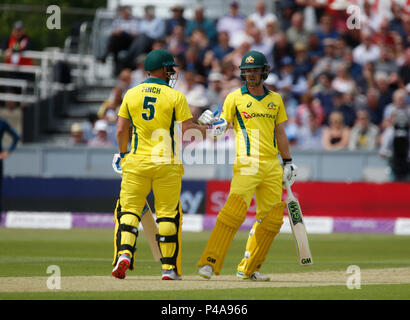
(125, 234)
(260, 239)
(229, 219)
(167, 248)
(169, 239)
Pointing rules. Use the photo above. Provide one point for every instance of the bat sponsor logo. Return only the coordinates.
(306, 260)
(211, 260)
(295, 213)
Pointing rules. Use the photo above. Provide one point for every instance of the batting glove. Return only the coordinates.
(219, 127)
(116, 162)
(207, 117)
(289, 172)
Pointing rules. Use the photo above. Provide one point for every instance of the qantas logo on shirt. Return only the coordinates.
(258, 115)
(246, 115)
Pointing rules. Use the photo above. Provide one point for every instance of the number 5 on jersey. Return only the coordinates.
(148, 108)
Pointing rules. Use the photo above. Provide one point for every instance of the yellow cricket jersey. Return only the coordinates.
(254, 120)
(153, 107)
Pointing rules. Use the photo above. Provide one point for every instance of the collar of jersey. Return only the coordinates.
(156, 80)
(244, 89)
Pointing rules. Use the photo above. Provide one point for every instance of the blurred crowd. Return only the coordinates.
(344, 87)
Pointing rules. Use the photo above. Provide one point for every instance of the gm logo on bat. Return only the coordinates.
(295, 212)
(306, 260)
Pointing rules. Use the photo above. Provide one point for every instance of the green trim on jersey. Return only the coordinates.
(244, 89)
(244, 132)
(156, 80)
(135, 134)
(172, 132)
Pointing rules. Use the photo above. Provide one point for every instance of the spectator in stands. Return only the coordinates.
(193, 61)
(261, 16)
(364, 134)
(109, 108)
(201, 22)
(384, 37)
(399, 103)
(176, 41)
(329, 62)
(395, 141)
(382, 83)
(15, 44)
(325, 93)
(124, 30)
(366, 78)
(189, 82)
(366, 51)
(326, 29)
(347, 107)
(222, 48)
(314, 48)
(177, 18)
(290, 81)
(404, 71)
(5, 153)
(13, 47)
(297, 33)
(77, 135)
(287, 8)
(197, 102)
(151, 25)
(214, 90)
(343, 81)
(281, 49)
(354, 69)
(395, 24)
(125, 80)
(230, 80)
(245, 35)
(309, 104)
(271, 32)
(310, 135)
(101, 139)
(200, 41)
(336, 135)
(151, 29)
(303, 64)
(233, 22)
(139, 74)
(385, 63)
(258, 44)
(236, 55)
(373, 106)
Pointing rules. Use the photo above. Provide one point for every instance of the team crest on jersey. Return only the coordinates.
(250, 59)
(246, 115)
(271, 106)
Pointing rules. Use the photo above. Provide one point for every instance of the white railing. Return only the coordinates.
(82, 72)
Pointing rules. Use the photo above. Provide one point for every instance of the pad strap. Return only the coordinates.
(161, 238)
(128, 228)
(121, 213)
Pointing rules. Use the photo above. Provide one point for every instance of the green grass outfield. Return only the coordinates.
(88, 253)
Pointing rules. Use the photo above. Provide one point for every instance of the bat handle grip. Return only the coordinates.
(288, 189)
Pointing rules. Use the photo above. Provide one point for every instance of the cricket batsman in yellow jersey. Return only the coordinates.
(257, 115)
(151, 109)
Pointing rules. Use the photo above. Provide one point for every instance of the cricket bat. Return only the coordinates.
(298, 228)
(150, 229)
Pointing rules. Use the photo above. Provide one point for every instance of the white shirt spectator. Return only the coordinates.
(363, 54)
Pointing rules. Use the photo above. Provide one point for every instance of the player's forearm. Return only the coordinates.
(122, 134)
(189, 124)
(283, 142)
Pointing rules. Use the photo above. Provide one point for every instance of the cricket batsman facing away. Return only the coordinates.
(257, 115)
(152, 163)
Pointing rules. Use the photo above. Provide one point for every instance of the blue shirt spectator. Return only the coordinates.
(201, 22)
